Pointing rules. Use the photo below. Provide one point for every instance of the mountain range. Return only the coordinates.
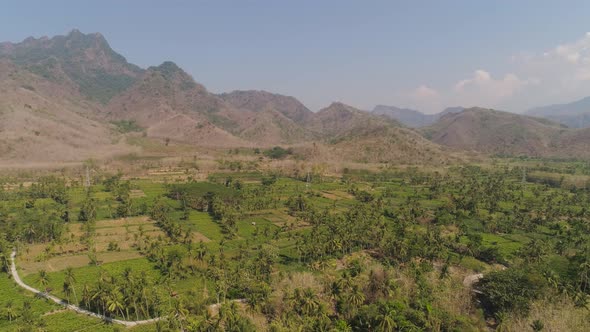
(574, 115)
(413, 118)
(72, 97)
(62, 99)
(502, 133)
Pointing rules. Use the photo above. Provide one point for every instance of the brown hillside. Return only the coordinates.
(41, 121)
(497, 132)
(165, 92)
(87, 60)
(339, 120)
(270, 127)
(169, 103)
(387, 144)
(354, 135)
(60, 94)
(573, 144)
(263, 101)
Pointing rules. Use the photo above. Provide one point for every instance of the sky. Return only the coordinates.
(427, 55)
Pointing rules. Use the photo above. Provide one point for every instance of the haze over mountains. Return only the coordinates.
(412, 118)
(574, 115)
(508, 134)
(63, 99)
(61, 95)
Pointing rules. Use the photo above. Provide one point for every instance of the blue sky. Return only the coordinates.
(421, 54)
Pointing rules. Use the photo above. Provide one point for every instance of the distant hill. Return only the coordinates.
(170, 104)
(85, 60)
(253, 100)
(41, 121)
(389, 144)
(69, 98)
(352, 134)
(406, 116)
(503, 133)
(340, 119)
(412, 118)
(166, 100)
(574, 115)
(273, 118)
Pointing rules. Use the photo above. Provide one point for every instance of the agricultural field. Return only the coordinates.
(251, 250)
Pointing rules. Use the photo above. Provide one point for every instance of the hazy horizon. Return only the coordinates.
(421, 56)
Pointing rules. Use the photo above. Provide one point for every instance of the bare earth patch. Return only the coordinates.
(336, 195)
(62, 262)
(136, 193)
(122, 232)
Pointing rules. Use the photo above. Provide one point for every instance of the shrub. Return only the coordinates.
(127, 126)
(278, 152)
(510, 291)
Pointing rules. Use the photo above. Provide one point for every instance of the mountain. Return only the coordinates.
(167, 98)
(66, 98)
(408, 117)
(339, 119)
(412, 118)
(450, 110)
(256, 101)
(84, 60)
(355, 135)
(574, 115)
(168, 103)
(503, 133)
(41, 121)
(389, 144)
(273, 118)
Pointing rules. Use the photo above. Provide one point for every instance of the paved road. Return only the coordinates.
(75, 308)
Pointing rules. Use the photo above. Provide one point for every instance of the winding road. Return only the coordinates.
(75, 308)
(467, 282)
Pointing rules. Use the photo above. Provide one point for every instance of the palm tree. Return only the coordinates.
(179, 313)
(104, 276)
(131, 291)
(43, 279)
(4, 263)
(86, 295)
(67, 290)
(356, 298)
(228, 312)
(26, 313)
(387, 322)
(10, 311)
(99, 296)
(342, 326)
(70, 279)
(201, 250)
(584, 275)
(115, 302)
(309, 303)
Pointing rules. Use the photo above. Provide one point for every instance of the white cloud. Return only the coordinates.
(424, 92)
(481, 89)
(556, 74)
(479, 77)
(565, 62)
(482, 86)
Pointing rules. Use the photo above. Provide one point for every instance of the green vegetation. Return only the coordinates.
(67, 57)
(363, 251)
(278, 152)
(127, 126)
